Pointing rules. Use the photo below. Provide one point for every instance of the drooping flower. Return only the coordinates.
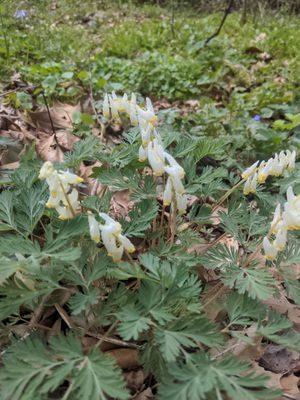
(111, 236)
(291, 213)
(275, 166)
(269, 249)
(156, 157)
(63, 196)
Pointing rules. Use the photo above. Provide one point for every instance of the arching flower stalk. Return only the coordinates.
(112, 239)
(282, 222)
(258, 172)
(63, 196)
(151, 148)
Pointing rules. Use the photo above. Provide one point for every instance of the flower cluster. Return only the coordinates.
(63, 197)
(151, 148)
(282, 222)
(111, 236)
(259, 171)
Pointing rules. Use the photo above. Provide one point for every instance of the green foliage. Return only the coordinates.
(203, 378)
(92, 376)
(234, 107)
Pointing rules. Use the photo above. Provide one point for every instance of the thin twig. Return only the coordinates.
(48, 111)
(102, 339)
(113, 340)
(226, 13)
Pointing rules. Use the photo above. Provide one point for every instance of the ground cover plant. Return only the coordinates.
(150, 203)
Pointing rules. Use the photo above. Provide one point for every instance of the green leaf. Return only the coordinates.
(186, 332)
(242, 309)
(91, 376)
(132, 323)
(203, 378)
(141, 217)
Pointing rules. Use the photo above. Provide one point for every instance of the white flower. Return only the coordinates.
(113, 102)
(291, 156)
(277, 166)
(146, 135)
(250, 171)
(148, 114)
(181, 202)
(291, 214)
(276, 219)
(156, 157)
(94, 228)
(280, 240)
(111, 236)
(126, 243)
(167, 195)
(47, 170)
(269, 249)
(143, 154)
(59, 184)
(64, 212)
(133, 113)
(106, 110)
(250, 185)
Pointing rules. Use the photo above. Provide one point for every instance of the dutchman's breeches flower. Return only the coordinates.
(284, 161)
(111, 236)
(151, 147)
(283, 222)
(62, 198)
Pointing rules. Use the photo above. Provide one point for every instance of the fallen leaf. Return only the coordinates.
(274, 379)
(121, 203)
(66, 140)
(289, 384)
(135, 379)
(125, 358)
(48, 149)
(278, 359)
(61, 116)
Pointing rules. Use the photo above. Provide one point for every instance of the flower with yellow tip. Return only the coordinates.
(269, 249)
(63, 197)
(250, 184)
(250, 171)
(111, 236)
(156, 157)
(106, 109)
(291, 213)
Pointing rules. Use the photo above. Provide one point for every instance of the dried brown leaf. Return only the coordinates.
(125, 358)
(48, 149)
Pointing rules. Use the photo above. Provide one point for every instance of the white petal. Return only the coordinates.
(276, 219)
(142, 154)
(167, 195)
(269, 249)
(126, 243)
(106, 110)
(156, 163)
(94, 228)
(280, 240)
(109, 241)
(181, 201)
(46, 170)
(249, 171)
